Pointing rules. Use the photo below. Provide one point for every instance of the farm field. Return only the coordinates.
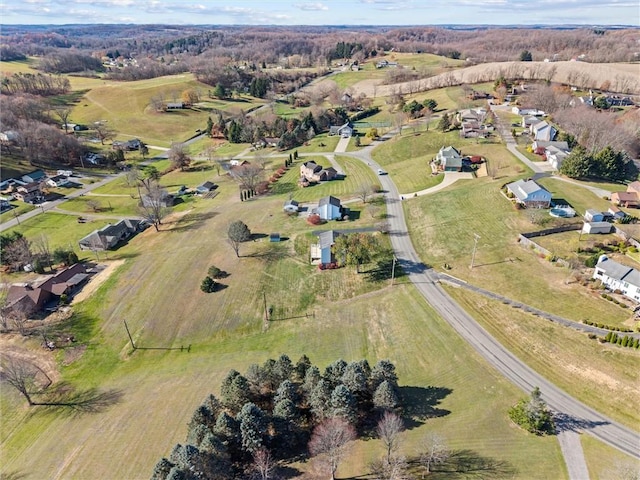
(471, 397)
(502, 265)
(608, 381)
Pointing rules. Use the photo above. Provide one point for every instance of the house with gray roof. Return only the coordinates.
(321, 253)
(529, 194)
(110, 236)
(615, 276)
(345, 131)
(449, 159)
(330, 208)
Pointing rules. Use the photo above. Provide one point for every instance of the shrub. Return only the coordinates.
(208, 285)
(215, 272)
(315, 219)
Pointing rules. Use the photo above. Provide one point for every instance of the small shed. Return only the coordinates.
(596, 227)
(592, 215)
(274, 237)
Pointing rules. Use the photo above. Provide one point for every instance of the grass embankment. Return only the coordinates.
(608, 381)
(605, 462)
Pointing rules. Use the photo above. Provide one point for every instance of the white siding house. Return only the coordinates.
(530, 194)
(616, 276)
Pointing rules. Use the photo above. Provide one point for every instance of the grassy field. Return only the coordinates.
(357, 174)
(107, 205)
(579, 198)
(606, 463)
(319, 143)
(18, 66)
(18, 209)
(608, 381)
(61, 230)
(442, 227)
(394, 324)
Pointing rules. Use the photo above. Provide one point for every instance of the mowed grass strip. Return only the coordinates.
(442, 226)
(394, 324)
(605, 462)
(602, 376)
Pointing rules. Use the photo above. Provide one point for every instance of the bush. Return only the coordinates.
(314, 219)
(215, 272)
(208, 285)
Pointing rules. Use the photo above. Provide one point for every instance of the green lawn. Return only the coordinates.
(18, 209)
(14, 166)
(442, 226)
(108, 205)
(319, 143)
(19, 66)
(60, 230)
(605, 462)
(579, 198)
(609, 381)
(357, 174)
(347, 79)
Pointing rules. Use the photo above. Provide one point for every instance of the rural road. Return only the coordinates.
(575, 415)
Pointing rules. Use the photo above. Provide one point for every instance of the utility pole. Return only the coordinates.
(476, 237)
(393, 270)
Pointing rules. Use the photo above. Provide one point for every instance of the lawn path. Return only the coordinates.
(573, 454)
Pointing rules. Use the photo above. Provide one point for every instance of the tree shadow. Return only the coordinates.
(464, 464)
(258, 236)
(16, 475)
(384, 271)
(285, 472)
(564, 423)
(64, 397)
(421, 404)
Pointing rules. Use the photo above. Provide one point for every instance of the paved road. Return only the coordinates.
(45, 207)
(573, 455)
(575, 413)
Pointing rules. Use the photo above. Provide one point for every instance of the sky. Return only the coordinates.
(322, 12)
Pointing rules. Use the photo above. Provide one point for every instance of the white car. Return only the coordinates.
(381, 172)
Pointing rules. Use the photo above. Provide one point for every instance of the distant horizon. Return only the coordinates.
(326, 13)
(336, 25)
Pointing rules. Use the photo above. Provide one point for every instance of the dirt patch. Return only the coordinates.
(72, 354)
(15, 346)
(97, 280)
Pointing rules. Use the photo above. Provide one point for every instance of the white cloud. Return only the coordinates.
(311, 6)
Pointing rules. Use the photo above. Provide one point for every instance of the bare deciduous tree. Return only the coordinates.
(21, 375)
(433, 451)
(154, 201)
(263, 463)
(389, 429)
(178, 156)
(363, 191)
(248, 175)
(104, 132)
(63, 113)
(330, 441)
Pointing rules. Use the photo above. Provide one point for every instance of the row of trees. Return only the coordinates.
(18, 252)
(277, 409)
(606, 164)
(34, 84)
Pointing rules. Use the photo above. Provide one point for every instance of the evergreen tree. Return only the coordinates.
(356, 378)
(343, 404)
(333, 373)
(253, 427)
(283, 368)
(234, 391)
(302, 365)
(162, 469)
(227, 428)
(525, 56)
(381, 371)
(286, 391)
(577, 164)
(532, 414)
(445, 123)
(386, 396)
(311, 379)
(209, 127)
(320, 400)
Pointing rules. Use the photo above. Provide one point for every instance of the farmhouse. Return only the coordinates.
(31, 298)
(175, 105)
(530, 194)
(449, 159)
(616, 276)
(321, 252)
(313, 172)
(329, 208)
(110, 236)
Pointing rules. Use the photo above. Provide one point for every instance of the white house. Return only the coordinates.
(321, 252)
(530, 194)
(57, 181)
(527, 111)
(616, 276)
(543, 131)
(555, 156)
(345, 131)
(329, 208)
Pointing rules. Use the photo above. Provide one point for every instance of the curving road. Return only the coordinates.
(572, 414)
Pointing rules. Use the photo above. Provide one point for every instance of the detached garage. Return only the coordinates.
(596, 227)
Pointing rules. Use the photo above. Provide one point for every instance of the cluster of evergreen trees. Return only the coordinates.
(276, 406)
(606, 164)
